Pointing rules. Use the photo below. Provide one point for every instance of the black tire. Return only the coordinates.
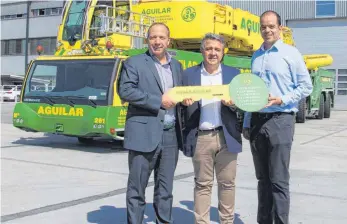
(84, 140)
(301, 114)
(117, 145)
(320, 115)
(327, 106)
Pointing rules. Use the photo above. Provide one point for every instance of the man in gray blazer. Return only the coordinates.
(153, 132)
(212, 133)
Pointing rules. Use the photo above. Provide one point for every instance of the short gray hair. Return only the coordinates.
(212, 36)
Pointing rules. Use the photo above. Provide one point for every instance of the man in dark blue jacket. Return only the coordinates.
(153, 133)
(212, 134)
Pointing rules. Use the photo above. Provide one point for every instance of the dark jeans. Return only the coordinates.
(163, 161)
(271, 141)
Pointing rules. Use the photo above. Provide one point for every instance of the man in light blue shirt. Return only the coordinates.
(271, 130)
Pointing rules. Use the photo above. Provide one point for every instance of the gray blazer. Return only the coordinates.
(140, 85)
(232, 125)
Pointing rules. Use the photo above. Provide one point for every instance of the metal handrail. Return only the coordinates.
(135, 25)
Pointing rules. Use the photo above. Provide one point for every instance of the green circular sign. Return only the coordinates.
(188, 14)
(249, 92)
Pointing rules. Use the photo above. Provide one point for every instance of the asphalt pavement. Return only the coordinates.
(54, 179)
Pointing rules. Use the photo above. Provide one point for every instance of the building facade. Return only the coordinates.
(319, 27)
(44, 18)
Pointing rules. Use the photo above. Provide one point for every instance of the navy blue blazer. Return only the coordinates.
(140, 85)
(232, 126)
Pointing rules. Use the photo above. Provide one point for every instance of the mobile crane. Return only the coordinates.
(96, 36)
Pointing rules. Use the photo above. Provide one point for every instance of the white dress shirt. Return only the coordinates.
(210, 108)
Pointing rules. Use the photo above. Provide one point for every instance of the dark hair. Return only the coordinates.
(155, 24)
(272, 12)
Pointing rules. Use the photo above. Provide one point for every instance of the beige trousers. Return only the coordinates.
(211, 155)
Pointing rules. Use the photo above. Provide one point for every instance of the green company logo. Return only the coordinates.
(188, 14)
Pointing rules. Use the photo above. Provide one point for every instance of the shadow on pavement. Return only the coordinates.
(109, 214)
(57, 141)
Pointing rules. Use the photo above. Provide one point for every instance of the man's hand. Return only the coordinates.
(228, 102)
(274, 101)
(167, 102)
(188, 102)
(246, 133)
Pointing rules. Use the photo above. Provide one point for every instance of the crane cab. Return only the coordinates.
(89, 26)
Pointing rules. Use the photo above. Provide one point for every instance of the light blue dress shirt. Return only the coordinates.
(165, 74)
(284, 71)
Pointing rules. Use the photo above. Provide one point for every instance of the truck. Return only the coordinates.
(79, 97)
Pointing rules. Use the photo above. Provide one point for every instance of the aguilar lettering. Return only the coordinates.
(250, 25)
(187, 64)
(156, 11)
(123, 112)
(60, 111)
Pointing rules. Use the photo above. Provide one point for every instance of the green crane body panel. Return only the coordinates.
(99, 121)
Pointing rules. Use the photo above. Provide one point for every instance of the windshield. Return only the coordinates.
(74, 21)
(72, 79)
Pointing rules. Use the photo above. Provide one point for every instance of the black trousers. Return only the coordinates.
(271, 141)
(163, 161)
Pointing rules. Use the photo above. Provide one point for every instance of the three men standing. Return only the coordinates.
(211, 134)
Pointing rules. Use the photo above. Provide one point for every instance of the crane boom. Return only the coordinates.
(89, 27)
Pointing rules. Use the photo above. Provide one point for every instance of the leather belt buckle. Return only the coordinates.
(266, 115)
(213, 129)
(270, 115)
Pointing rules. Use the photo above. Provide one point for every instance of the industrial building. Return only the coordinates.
(319, 27)
(43, 22)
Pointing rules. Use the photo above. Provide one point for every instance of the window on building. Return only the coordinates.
(56, 11)
(19, 46)
(34, 12)
(47, 12)
(342, 71)
(12, 47)
(32, 46)
(342, 82)
(39, 12)
(342, 78)
(325, 8)
(4, 47)
(42, 12)
(14, 16)
(48, 44)
(342, 85)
